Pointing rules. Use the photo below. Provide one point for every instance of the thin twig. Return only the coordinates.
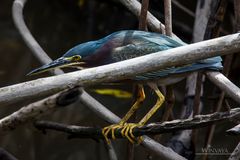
(111, 151)
(5, 155)
(135, 7)
(150, 129)
(17, 12)
(237, 15)
(235, 154)
(185, 9)
(143, 15)
(168, 17)
(198, 91)
(234, 131)
(197, 103)
(170, 99)
(168, 23)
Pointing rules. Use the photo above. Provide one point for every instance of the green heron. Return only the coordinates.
(123, 45)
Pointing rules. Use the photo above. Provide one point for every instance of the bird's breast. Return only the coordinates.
(167, 80)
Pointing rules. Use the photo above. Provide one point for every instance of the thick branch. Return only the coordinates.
(34, 110)
(121, 70)
(150, 129)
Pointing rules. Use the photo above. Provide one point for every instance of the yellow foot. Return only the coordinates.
(127, 131)
(112, 128)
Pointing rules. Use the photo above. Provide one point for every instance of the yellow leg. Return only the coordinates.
(112, 128)
(128, 130)
(136, 105)
(158, 104)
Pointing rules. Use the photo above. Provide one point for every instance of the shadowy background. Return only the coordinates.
(59, 25)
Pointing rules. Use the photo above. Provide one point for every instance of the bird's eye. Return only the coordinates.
(76, 58)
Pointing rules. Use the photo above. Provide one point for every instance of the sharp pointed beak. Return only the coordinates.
(58, 63)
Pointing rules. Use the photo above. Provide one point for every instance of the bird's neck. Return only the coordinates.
(101, 56)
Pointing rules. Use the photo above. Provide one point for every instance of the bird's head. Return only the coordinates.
(74, 57)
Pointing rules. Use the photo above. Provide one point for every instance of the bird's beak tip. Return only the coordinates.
(29, 74)
(35, 71)
(54, 64)
(43, 68)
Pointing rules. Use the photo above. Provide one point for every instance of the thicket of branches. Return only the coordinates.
(65, 89)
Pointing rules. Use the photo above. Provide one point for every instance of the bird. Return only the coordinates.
(124, 45)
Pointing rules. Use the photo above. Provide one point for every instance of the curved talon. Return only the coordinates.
(112, 128)
(105, 132)
(127, 131)
(123, 131)
(131, 130)
(139, 139)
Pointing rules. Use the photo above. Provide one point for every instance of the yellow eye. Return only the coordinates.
(76, 58)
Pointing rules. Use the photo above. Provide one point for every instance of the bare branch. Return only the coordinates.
(17, 12)
(125, 69)
(202, 16)
(135, 7)
(143, 15)
(185, 9)
(237, 14)
(236, 153)
(168, 17)
(170, 94)
(34, 110)
(226, 85)
(234, 131)
(150, 129)
(111, 151)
